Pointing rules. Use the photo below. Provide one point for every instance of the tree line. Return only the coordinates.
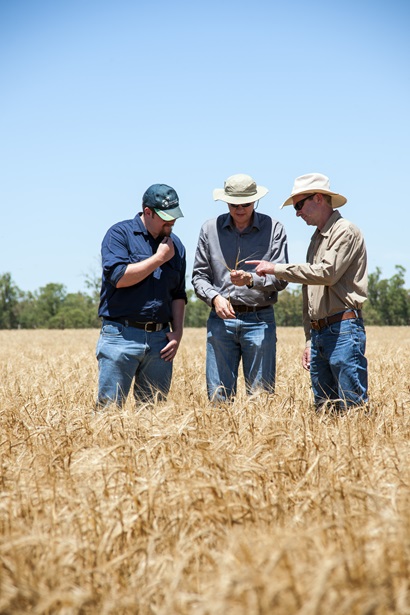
(52, 307)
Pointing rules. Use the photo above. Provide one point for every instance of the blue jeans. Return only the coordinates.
(126, 353)
(250, 336)
(338, 367)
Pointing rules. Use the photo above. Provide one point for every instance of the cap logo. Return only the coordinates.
(167, 204)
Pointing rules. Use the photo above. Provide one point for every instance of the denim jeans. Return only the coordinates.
(126, 353)
(338, 367)
(250, 336)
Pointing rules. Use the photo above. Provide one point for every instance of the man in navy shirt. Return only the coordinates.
(142, 303)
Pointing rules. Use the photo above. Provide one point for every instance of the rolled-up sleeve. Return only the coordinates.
(115, 255)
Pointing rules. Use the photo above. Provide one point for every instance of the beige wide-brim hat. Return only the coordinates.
(311, 184)
(239, 189)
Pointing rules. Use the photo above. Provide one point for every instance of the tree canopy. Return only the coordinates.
(51, 307)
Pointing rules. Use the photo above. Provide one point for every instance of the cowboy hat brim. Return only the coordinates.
(337, 199)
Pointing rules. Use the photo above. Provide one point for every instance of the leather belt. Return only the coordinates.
(317, 325)
(249, 308)
(147, 326)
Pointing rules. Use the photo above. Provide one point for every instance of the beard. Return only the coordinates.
(165, 231)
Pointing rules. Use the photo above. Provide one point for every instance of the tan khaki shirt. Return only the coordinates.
(335, 275)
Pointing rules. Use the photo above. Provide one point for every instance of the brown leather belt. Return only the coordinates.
(317, 325)
(147, 326)
(249, 308)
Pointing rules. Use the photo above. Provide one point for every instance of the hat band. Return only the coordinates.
(244, 193)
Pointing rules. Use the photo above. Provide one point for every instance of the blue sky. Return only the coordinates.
(101, 99)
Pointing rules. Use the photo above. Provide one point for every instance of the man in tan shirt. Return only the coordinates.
(334, 282)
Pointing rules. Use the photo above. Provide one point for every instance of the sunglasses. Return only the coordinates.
(243, 205)
(298, 206)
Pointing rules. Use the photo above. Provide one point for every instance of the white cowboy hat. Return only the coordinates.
(239, 189)
(311, 184)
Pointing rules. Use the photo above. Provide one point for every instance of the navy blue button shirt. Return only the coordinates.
(151, 299)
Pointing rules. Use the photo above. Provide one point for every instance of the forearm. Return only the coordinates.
(178, 314)
(136, 272)
(320, 274)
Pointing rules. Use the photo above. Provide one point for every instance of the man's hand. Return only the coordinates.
(262, 267)
(169, 351)
(136, 272)
(223, 308)
(166, 249)
(240, 277)
(306, 358)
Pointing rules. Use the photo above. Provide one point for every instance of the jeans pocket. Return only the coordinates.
(266, 316)
(112, 329)
(344, 327)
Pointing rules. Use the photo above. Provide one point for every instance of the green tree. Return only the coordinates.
(197, 311)
(27, 311)
(388, 301)
(49, 300)
(77, 311)
(9, 302)
(289, 308)
(51, 307)
(93, 283)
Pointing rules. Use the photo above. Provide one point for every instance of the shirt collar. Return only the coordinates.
(333, 218)
(227, 223)
(138, 225)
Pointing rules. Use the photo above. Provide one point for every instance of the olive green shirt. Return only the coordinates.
(335, 276)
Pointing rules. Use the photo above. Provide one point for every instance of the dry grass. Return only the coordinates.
(256, 508)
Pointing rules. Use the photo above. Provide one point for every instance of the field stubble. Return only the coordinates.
(259, 507)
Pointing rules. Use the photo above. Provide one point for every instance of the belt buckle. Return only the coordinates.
(152, 327)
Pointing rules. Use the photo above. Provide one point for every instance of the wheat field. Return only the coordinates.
(259, 507)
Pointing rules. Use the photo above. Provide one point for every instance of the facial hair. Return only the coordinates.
(166, 231)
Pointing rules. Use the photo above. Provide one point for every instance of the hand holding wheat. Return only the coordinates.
(240, 277)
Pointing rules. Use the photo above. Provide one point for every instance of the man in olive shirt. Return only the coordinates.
(334, 289)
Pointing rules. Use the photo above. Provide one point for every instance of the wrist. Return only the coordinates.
(250, 283)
